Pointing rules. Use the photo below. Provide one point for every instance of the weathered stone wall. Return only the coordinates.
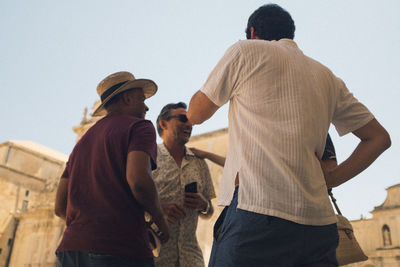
(37, 237)
(29, 174)
(7, 229)
(371, 235)
(216, 142)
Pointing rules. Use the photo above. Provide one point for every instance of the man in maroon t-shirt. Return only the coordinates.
(107, 183)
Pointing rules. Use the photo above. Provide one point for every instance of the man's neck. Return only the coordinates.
(112, 113)
(176, 150)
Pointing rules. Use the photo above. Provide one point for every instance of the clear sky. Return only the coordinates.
(54, 53)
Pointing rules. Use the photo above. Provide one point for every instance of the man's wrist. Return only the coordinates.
(207, 209)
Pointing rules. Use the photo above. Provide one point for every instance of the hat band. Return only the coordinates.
(111, 90)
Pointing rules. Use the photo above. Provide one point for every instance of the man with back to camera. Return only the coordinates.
(274, 189)
(178, 167)
(107, 183)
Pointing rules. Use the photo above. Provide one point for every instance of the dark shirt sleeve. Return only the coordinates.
(329, 152)
(143, 138)
(65, 174)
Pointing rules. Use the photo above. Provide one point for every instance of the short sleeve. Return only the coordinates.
(208, 190)
(65, 173)
(329, 152)
(221, 83)
(349, 114)
(143, 138)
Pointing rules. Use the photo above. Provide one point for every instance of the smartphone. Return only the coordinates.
(191, 187)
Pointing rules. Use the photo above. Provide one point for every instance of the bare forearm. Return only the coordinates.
(363, 156)
(217, 159)
(138, 173)
(145, 193)
(209, 155)
(201, 108)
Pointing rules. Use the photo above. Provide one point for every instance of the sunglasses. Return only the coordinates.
(180, 117)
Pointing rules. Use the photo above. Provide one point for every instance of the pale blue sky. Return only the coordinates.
(53, 54)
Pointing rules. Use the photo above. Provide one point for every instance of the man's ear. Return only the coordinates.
(253, 36)
(163, 124)
(126, 97)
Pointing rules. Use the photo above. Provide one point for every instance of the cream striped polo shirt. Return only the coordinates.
(281, 104)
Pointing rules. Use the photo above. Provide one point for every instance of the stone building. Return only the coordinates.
(216, 142)
(379, 236)
(30, 232)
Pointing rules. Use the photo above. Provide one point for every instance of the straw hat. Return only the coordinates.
(119, 82)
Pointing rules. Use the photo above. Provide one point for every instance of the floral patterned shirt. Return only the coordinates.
(182, 249)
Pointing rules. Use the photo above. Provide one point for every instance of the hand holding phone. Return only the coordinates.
(191, 187)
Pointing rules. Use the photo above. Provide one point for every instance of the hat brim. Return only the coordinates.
(149, 89)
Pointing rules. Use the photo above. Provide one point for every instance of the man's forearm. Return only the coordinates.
(374, 141)
(145, 193)
(138, 174)
(362, 158)
(217, 159)
(201, 108)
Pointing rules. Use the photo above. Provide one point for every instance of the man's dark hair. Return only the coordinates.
(271, 22)
(165, 112)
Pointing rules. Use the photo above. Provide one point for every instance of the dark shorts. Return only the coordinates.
(88, 259)
(243, 238)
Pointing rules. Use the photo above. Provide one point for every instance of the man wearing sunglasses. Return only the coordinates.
(178, 167)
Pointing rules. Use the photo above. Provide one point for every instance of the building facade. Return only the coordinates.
(29, 231)
(379, 236)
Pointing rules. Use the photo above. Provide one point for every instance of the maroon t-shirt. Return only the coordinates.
(102, 214)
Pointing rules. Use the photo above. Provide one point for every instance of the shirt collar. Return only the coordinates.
(164, 151)
(289, 42)
(188, 152)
